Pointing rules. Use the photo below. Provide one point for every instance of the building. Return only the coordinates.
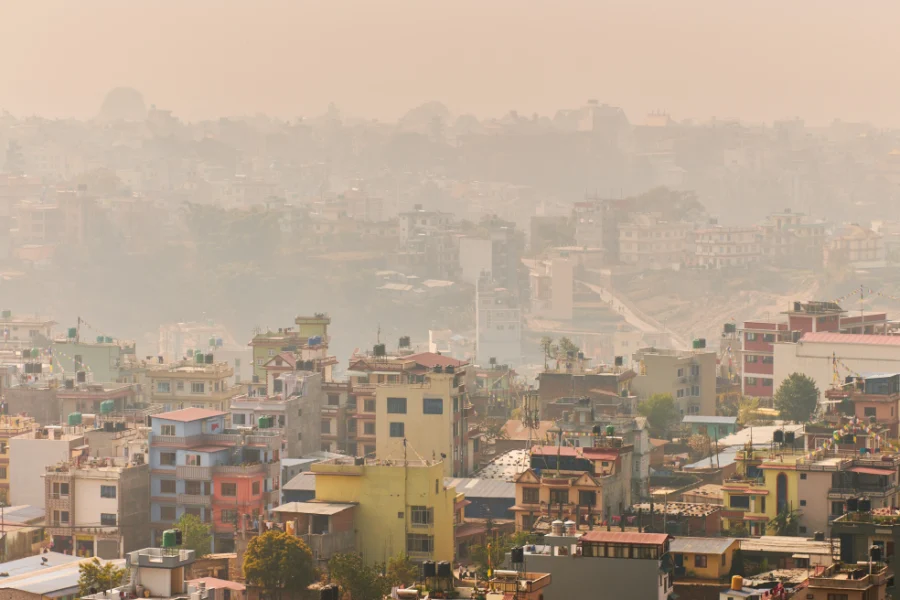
(820, 355)
(157, 573)
(105, 360)
(496, 249)
(851, 581)
(552, 285)
(225, 477)
(22, 331)
(37, 400)
(676, 518)
(426, 509)
(308, 339)
(98, 507)
(585, 485)
(722, 247)
(32, 452)
(875, 400)
(703, 558)
(48, 575)
(689, 377)
(24, 532)
(177, 339)
(592, 224)
(622, 564)
(648, 242)
(198, 382)
(857, 532)
(10, 426)
(338, 425)
(713, 427)
(498, 323)
(791, 239)
(856, 247)
(90, 397)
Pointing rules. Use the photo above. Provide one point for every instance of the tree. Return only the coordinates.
(499, 548)
(546, 346)
(94, 577)
(279, 562)
(699, 445)
(357, 578)
(494, 429)
(194, 534)
(568, 347)
(797, 398)
(737, 564)
(785, 522)
(661, 414)
(401, 571)
(747, 410)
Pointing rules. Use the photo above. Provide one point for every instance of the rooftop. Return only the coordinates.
(701, 545)
(850, 338)
(619, 537)
(686, 509)
(780, 544)
(187, 415)
(482, 488)
(59, 576)
(710, 420)
(313, 508)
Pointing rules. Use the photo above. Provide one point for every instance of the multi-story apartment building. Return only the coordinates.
(21, 331)
(32, 452)
(98, 506)
(420, 398)
(176, 339)
(225, 477)
(293, 409)
(307, 340)
(585, 485)
(875, 400)
(102, 360)
(689, 377)
(498, 323)
(339, 424)
(857, 247)
(792, 239)
(198, 382)
(721, 247)
(648, 242)
(10, 426)
(552, 285)
(497, 249)
(89, 397)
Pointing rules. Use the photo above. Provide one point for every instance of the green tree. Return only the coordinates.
(94, 577)
(401, 571)
(661, 413)
(195, 534)
(785, 522)
(747, 410)
(499, 548)
(737, 564)
(279, 562)
(546, 346)
(357, 578)
(567, 346)
(797, 397)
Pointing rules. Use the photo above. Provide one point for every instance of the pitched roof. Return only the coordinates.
(305, 482)
(214, 583)
(712, 420)
(186, 415)
(431, 359)
(289, 360)
(624, 537)
(701, 545)
(482, 488)
(823, 337)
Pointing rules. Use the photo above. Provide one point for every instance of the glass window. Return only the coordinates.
(193, 488)
(587, 498)
(167, 430)
(700, 561)
(369, 406)
(229, 490)
(423, 544)
(869, 411)
(107, 519)
(167, 486)
(229, 516)
(256, 488)
(396, 406)
(397, 429)
(167, 513)
(198, 387)
(167, 459)
(326, 425)
(334, 399)
(559, 496)
(192, 460)
(433, 406)
(739, 502)
(531, 495)
(163, 387)
(239, 419)
(107, 491)
(369, 428)
(421, 515)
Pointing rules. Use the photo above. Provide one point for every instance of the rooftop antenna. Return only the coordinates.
(378, 335)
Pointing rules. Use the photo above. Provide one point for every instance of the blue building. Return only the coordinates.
(714, 427)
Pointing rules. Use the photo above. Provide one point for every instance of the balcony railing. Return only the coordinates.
(194, 499)
(193, 473)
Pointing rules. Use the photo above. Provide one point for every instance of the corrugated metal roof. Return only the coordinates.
(304, 482)
(57, 576)
(619, 537)
(701, 545)
(710, 420)
(313, 508)
(482, 488)
(872, 471)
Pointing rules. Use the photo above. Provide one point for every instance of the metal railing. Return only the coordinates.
(194, 499)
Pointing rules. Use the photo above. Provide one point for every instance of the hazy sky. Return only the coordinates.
(757, 59)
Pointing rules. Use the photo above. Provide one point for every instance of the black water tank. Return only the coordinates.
(444, 570)
(875, 553)
(428, 568)
(865, 505)
(620, 361)
(819, 536)
(788, 437)
(852, 504)
(778, 436)
(518, 555)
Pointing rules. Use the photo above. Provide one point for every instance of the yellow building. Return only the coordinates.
(266, 345)
(398, 509)
(703, 558)
(766, 484)
(189, 383)
(10, 426)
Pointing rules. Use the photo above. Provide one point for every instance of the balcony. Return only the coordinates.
(326, 545)
(194, 499)
(164, 558)
(872, 491)
(192, 473)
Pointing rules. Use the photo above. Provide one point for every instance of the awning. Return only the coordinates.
(806, 556)
(872, 471)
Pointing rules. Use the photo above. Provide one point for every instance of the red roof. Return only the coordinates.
(871, 471)
(554, 451)
(622, 537)
(432, 359)
(289, 359)
(213, 583)
(824, 337)
(186, 415)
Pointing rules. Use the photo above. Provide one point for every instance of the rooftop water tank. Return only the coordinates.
(74, 419)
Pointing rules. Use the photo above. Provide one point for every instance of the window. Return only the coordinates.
(396, 406)
(162, 387)
(326, 426)
(369, 428)
(198, 387)
(167, 430)
(421, 515)
(433, 406)
(259, 361)
(803, 503)
(768, 360)
(397, 430)
(167, 513)
(107, 519)
(167, 486)
(751, 358)
(837, 508)
(559, 497)
(681, 372)
(334, 400)
(107, 491)
(739, 502)
(192, 460)
(192, 488)
(769, 337)
(256, 488)
(271, 352)
(695, 390)
(179, 386)
(229, 490)
(351, 426)
(61, 516)
(531, 495)
(869, 411)
(751, 337)
(586, 498)
(229, 516)
(369, 406)
(700, 561)
(802, 475)
(3, 474)
(767, 382)
(422, 544)
(239, 419)
(751, 381)
(167, 459)
(61, 490)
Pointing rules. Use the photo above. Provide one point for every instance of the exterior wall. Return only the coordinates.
(718, 566)
(102, 360)
(660, 376)
(41, 404)
(475, 256)
(814, 492)
(815, 360)
(384, 492)
(28, 460)
(617, 577)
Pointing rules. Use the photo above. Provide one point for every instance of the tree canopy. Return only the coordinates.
(355, 577)
(499, 547)
(95, 577)
(279, 562)
(797, 397)
(661, 414)
(194, 534)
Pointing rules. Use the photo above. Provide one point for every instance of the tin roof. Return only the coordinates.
(482, 488)
(701, 545)
(706, 420)
(313, 508)
(619, 537)
(186, 415)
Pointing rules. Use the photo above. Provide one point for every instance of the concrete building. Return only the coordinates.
(23, 331)
(37, 400)
(223, 476)
(792, 239)
(689, 377)
(856, 247)
(496, 249)
(648, 242)
(857, 532)
(702, 558)
(31, 453)
(89, 398)
(308, 340)
(623, 565)
(49, 575)
(498, 323)
(553, 289)
(197, 382)
(105, 360)
(414, 491)
(10, 426)
(722, 247)
(98, 507)
(159, 573)
(851, 581)
(176, 339)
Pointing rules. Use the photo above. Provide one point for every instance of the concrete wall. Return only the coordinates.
(814, 491)
(89, 504)
(814, 360)
(28, 461)
(661, 377)
(475, 256)
(616, 577)
(98, 359)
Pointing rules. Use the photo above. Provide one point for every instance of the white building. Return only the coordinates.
(498, 324)
(720, 247)
(553, 288)
(813, 356)
(648, 242)
(31, 453)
